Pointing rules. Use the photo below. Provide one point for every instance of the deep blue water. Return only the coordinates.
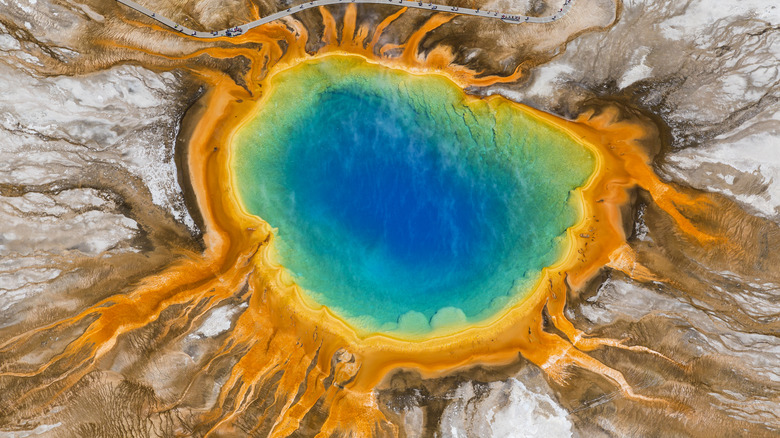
(384, 205)
(383, 195)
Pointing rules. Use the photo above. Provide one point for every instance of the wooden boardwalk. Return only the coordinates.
(237, 30)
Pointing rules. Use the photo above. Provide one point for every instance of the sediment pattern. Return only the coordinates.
(138, 298)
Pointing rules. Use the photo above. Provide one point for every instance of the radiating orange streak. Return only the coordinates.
(145, 306)
(350, 38)
(490, 80)
(222, 54)
(668, 199)
(348, 28)
(122, 314)
(640, 172)
(170, 276)
(624, 259)
(412, 47)
(255, 10)
(262, 366)
(290, 420)
(383, 51)
(568, 356)
(360, 38)
(329, 33)
(297, 378)
(296, 40)
(383, 25)
(439, 58)
(580, 339)
(355, 413)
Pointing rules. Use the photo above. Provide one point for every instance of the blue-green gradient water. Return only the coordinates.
(400, 205)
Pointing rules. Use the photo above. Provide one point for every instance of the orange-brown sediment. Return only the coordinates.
(324, 362)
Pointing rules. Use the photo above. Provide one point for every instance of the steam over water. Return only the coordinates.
(116, 321)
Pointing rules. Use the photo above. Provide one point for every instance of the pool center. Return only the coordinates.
(399, 202)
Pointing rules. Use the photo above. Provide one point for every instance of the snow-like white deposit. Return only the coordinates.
(547, 77)
(38, 431)
(627, 300)
(752, 150)
(120, 116)
(508, 410)
(701, 14)
(218, 321)
(40, 230)
(57, 132)
(638, 70)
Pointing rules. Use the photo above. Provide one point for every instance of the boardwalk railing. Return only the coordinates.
(238, 30)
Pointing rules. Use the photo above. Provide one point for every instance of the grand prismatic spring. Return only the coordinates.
(400, 204)
(380, 235)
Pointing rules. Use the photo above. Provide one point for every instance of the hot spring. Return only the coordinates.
(400, 203)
